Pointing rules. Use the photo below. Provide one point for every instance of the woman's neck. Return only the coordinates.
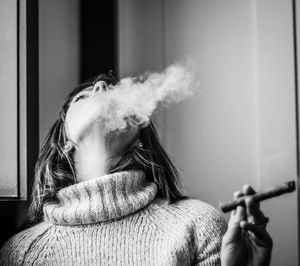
(91, 156)
(95, 147)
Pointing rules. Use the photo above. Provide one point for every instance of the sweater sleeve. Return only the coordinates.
(14, 251)
(209, 228)
(209, 246)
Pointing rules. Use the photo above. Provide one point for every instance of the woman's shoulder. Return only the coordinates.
(14, 250)
(197, 208)
(193, 211)
(189, 206)
(202, 212)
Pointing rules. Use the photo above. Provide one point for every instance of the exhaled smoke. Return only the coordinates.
(132, 101)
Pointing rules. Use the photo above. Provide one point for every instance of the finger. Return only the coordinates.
(248, 190)
(233, 232)
(254, 214)
(258, 234)
(240, 214)
(237, 216)
(238, 194)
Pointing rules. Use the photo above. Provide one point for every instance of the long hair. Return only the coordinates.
(55, 168)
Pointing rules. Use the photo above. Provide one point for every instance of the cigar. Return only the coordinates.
(260, 196)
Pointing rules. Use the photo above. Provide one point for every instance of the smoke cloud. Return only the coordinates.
(133, 100)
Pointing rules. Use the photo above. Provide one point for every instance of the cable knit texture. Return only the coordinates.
(117, 219)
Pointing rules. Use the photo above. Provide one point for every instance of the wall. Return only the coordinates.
(59, 50)
(240, 125)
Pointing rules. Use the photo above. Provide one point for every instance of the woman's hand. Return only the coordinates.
(246, 242)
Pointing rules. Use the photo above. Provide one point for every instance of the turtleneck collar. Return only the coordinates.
(101, 199)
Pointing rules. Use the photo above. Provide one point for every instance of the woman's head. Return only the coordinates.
(86, 124)
(55, 166)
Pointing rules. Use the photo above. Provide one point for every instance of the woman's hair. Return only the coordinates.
(55, 167)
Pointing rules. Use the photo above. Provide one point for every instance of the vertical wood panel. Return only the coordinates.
(98, 38)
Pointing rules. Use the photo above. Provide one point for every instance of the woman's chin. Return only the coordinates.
(80, 120)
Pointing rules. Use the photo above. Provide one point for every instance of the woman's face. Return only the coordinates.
(83, 115)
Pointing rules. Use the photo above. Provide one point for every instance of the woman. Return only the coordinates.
(113, 198)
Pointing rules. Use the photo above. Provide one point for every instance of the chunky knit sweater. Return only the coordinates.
(118, 220)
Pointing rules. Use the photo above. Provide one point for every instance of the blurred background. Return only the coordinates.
(240, 127)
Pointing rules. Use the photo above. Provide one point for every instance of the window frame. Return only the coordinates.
(27, 97)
